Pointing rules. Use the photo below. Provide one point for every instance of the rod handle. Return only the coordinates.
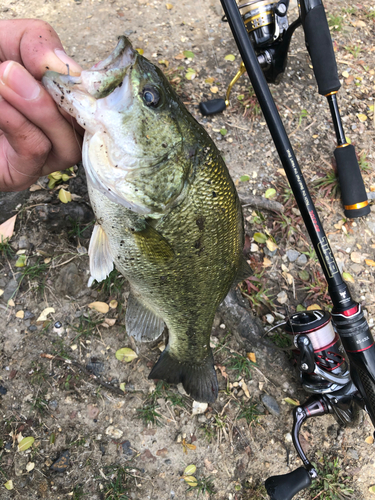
(353, 192)
(212, 107)
(319, 44)
(286, 486)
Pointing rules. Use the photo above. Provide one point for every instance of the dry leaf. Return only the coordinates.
(11, 303)
(9, 485)
(169, 6)
(348, 277)
(245, 390)
(191, 481)
(313, 307)
(222, 371)
(45, 313)
(359, 24)
(30, 466)
(369, 440)
(65, 196)
(125, 354)
(267, 262)
(7, 229)
(293, 402)
(271, 245)
(113, 304)
(251, 356)
(20, 314)
(190, 470)
(35, 187)
(361, 117)
(370, 262)
(214, 89)
(101, 307)
(26, 443)
(356, 257)
(109, 322)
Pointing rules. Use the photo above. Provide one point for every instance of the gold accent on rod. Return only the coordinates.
(344, 145)
(357, 206)
(331, 93)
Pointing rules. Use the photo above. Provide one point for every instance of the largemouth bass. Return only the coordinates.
(168, 215)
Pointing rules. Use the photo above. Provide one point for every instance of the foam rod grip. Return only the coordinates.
(353, 192)
(319, 44)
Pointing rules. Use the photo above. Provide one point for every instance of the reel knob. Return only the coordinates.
(284, 487)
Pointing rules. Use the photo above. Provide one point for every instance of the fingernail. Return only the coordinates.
(20, 81)
(68, 61)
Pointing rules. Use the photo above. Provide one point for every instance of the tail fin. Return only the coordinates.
(199, 380)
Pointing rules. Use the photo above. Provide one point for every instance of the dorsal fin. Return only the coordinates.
(101, 260)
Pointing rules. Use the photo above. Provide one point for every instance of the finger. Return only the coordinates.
(30, 98)
(24, 150)
(34, 44)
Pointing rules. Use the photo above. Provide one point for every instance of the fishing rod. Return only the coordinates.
(269, 31)
(323, 342)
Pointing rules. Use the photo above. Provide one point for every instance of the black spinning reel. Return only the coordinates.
(267, 24)
(324, 373)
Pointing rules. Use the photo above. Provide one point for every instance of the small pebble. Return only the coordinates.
(292, 255)
(271, 404)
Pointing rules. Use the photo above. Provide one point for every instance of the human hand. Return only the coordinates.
(36, 138)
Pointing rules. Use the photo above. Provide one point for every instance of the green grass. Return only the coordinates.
(332, 483)
(148, 413)
(39, 374)
(329, 184)
(5, 249)
(363, 163)
(335, 21)
(204, 485)
(36, 275)
(241, 365)
(354, 50)
(78, 492)
(113, 284)
(78, 229)
(39, 404)
(249, 411)
(86, 326)
(118, 483)
(254, 492)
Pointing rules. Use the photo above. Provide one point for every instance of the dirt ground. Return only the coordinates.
(59, 377)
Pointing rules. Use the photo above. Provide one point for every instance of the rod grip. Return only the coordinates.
(353, 192)
(319, 44)
(286, 486)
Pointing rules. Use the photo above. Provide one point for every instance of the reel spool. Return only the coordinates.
(259, 19)
(321, 354)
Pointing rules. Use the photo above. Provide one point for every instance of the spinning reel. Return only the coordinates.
(324, 373)
(269, 32)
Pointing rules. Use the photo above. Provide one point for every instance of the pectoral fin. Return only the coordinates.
(142, 323)
(101, 260)
(153, 245)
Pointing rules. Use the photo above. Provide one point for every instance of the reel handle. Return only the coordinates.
(284, 487)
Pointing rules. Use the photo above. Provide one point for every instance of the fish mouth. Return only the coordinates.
(97, 82)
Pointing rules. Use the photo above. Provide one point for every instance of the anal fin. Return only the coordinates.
(199, 379)
(142, 323)
(101, 260)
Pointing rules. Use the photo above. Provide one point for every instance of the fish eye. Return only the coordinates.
(151, 96)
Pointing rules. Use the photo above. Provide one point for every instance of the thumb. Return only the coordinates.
(35, 45)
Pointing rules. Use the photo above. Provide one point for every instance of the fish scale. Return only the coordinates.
(168, 214)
